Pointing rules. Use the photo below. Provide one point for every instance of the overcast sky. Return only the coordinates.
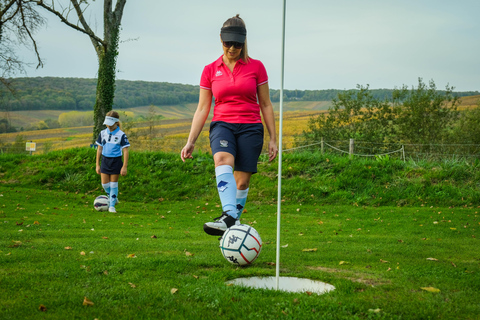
(328, 44)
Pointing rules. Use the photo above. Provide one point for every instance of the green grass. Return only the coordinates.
(308, 178)
(374, 251)
(384, 253)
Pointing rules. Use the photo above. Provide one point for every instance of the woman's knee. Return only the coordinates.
(223, 158)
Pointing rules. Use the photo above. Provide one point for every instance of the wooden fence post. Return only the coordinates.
(351, 149)
(321, 145)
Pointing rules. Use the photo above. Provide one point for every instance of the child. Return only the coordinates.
(111, 142)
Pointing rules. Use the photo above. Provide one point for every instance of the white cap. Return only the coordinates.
(110, 121)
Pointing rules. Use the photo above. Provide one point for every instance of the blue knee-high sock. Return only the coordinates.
(113, 193)
(106, 187)
(241, 201)
(227, 189)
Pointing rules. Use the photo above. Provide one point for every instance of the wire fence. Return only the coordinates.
(358, 148)
(351, 148)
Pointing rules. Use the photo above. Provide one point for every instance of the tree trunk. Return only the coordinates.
(107, 54)
(107, 61)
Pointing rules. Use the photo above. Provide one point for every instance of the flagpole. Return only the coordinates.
(280, 152)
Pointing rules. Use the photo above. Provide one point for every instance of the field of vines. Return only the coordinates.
(166, 135)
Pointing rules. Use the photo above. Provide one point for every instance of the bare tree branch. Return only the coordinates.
(34, 43)
(18, 22)
(5, 10)
(63, 18)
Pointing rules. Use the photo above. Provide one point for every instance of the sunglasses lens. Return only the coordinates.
(236, 45)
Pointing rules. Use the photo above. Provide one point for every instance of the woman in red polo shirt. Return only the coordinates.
(240, 87)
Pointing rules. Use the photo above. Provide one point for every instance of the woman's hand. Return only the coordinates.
(272, 150)
(187, 151)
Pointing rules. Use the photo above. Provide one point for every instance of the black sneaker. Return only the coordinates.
(220, 225)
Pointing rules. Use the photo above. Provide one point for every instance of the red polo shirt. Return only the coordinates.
(235, 93)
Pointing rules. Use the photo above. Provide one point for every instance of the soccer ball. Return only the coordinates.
(101, 203)
(241, 244)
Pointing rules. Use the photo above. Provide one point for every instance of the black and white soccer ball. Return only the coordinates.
(241, 244)
(101, 203)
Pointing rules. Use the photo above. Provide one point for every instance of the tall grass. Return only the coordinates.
(308, 177)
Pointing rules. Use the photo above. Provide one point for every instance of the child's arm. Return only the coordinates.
(99, 154)
(123, 172)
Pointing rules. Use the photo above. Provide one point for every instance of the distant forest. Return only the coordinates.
(52, 93)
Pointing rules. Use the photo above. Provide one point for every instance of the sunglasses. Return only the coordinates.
(229, 44)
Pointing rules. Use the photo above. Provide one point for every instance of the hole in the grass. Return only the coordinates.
(289, 284)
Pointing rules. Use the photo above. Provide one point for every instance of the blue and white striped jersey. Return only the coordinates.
(112, 142)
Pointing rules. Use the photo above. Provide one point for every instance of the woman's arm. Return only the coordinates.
(201, 115)
(266, 108)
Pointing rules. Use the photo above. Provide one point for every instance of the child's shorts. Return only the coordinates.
(242, 140)
(111, 165)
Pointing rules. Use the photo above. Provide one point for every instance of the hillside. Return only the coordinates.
(171, 132)
(25, 118)
(79, 94)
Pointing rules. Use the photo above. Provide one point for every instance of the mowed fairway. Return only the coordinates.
(60, 259)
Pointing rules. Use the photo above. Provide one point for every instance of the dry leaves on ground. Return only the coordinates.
(87, 302)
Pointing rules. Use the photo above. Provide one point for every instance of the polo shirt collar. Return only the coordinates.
(219, 61)
(114, 131)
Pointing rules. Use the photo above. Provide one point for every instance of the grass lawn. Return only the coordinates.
(153, 260)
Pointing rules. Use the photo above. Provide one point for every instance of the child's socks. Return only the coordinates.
(106, 187)
(113, 193)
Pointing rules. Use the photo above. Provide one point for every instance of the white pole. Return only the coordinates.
(280, 151)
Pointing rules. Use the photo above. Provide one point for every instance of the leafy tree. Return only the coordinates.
(18, 146)
(421, 115)
(106, 48)
(426, 114)
(354, 114)
(5, 126)
(75, 119)
(52, 123)
(468, 128)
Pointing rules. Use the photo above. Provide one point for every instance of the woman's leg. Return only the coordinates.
(227, 191)
(226, 185)
(243, 182)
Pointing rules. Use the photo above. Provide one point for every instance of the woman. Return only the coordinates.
(111, 143)
(240, 87)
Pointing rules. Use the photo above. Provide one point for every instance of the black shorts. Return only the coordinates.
(242, 140)
(111, 165)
